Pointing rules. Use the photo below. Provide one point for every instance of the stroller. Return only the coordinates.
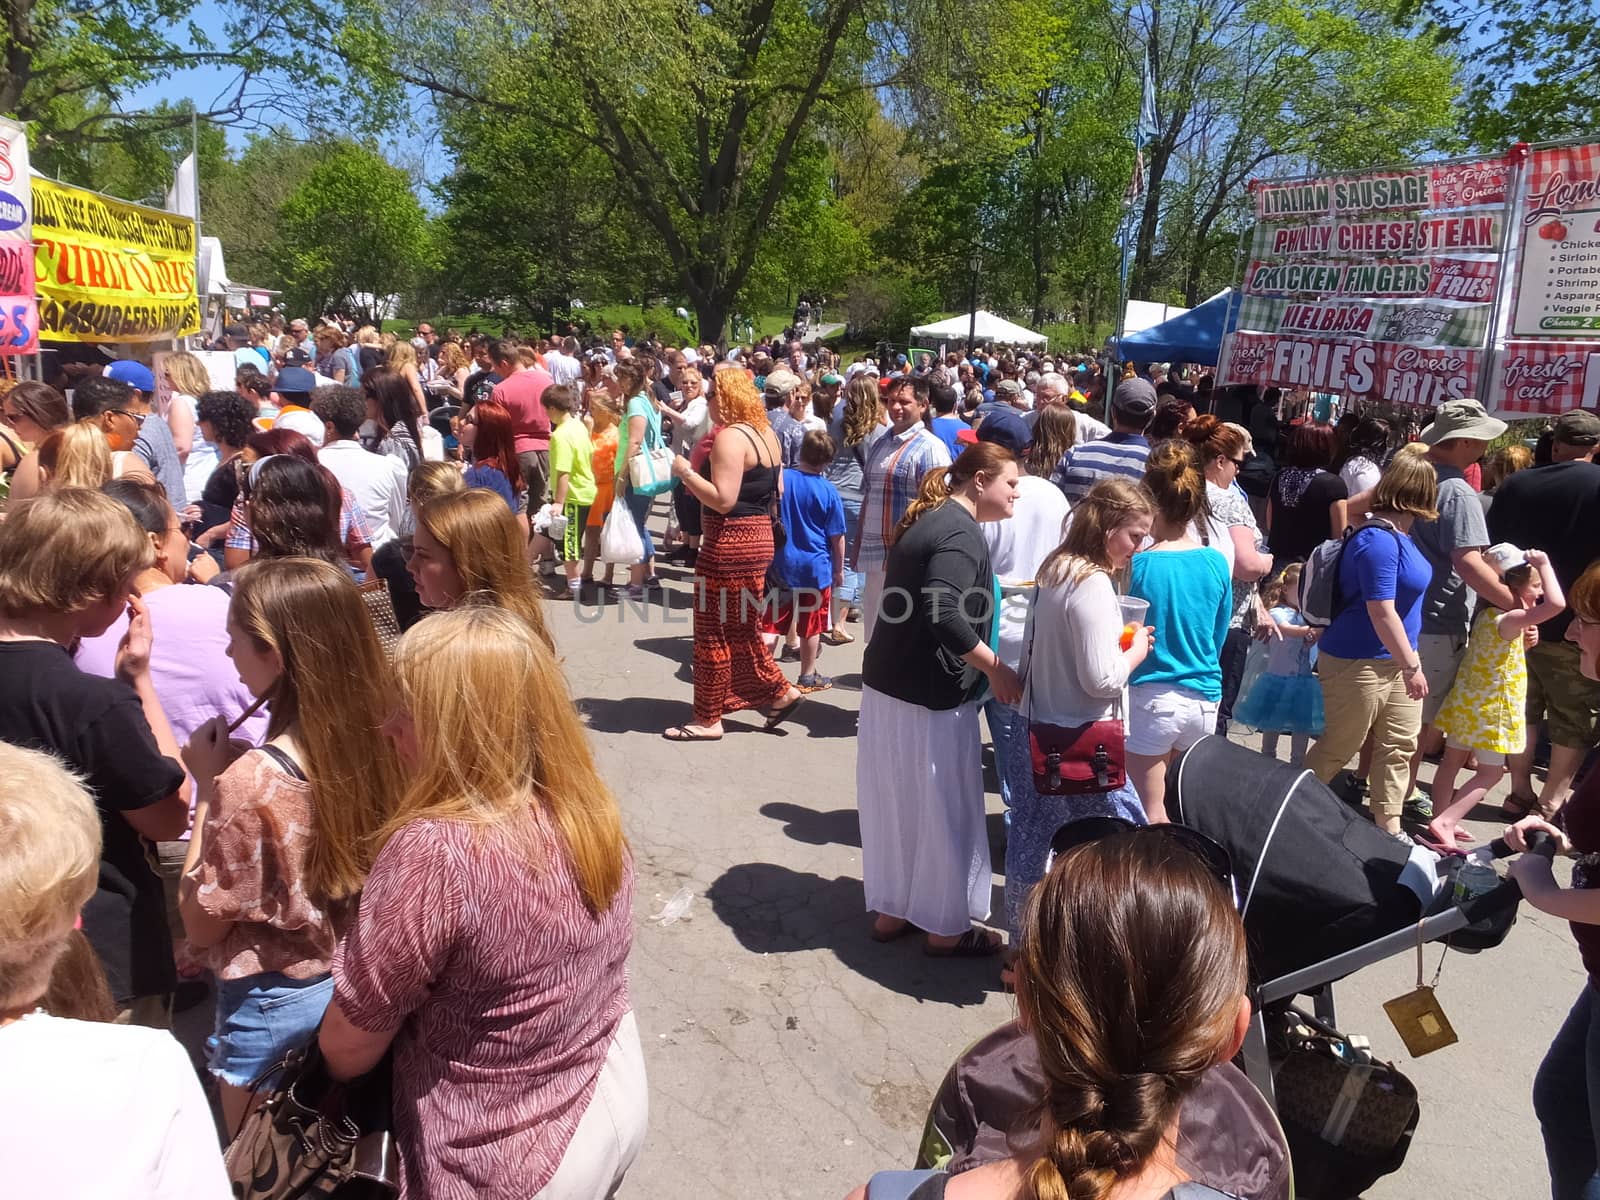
(1323, 892)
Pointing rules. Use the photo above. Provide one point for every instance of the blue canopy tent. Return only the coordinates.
(1191, 337)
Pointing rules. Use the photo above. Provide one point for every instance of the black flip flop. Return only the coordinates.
(779, 715)
(974, 943)
(682, 733)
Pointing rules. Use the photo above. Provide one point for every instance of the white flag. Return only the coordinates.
(184, 196)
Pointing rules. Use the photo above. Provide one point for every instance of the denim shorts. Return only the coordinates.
(260, 1019)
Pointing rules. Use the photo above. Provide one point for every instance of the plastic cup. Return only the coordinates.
(1134, 610)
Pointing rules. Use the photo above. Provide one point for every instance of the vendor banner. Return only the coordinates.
(1414, 322)
(1469, 279)
(1435, 233)
(109, 271)
(1558, 275)
(19, 312)
(1394, 374)
(1439, 185)
(1533, 378)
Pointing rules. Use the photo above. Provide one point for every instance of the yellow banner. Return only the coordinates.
(109, 271)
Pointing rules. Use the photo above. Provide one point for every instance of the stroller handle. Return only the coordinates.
(1509, 893)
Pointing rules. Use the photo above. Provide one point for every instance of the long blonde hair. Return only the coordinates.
(401, 355)
(189, 374)
(498, 734)
(1110, 504)
(335, 692)
(487, 545)
(78, 456)
(863, 408)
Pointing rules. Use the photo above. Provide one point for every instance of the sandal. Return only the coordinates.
(899, 932)
(835, 637)
(813, 683)
(1516, 807)
(682, 733)
(779, 715)
(974, 943)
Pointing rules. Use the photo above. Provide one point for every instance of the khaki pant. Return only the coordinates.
(1358, 695)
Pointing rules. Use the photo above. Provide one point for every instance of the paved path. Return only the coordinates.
(791, 1056)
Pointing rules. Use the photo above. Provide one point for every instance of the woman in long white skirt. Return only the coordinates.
(919, 786)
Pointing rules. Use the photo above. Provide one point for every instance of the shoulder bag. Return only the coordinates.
(314, 1136)
(650, 468)
(1072, 760)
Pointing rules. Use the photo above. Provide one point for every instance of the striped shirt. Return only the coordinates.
(1087, 463)
(893, 474)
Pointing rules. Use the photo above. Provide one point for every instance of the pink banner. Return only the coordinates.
(1385, 371)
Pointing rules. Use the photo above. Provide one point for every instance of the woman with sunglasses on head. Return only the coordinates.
(354, 534)
(293, 507)
(283, 835)
(490, 949)
(468, 546)
(1132, 982)
(33, 411)
(1223, 448)
(391, 409)
(1076, 668)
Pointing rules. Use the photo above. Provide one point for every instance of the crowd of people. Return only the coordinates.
(269, 634)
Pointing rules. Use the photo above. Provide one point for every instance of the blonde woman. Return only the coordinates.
(283, 834)
(490, 949)
(402, 361)
(468, 545)
(454, 367)
(857, 423)
(80, 456)
(90, 1109)
(189, 380)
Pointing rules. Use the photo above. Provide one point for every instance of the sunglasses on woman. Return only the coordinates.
(1092, 829)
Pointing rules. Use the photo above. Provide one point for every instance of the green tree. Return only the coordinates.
(353, 227)
(1528, 66)
(242, 195)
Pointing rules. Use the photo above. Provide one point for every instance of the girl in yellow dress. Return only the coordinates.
(1483, 714)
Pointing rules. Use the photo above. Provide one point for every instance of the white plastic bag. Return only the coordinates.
(619, 536)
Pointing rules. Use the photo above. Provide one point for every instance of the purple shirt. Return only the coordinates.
(189, 664)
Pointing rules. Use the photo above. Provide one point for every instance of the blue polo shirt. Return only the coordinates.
(1377, 565)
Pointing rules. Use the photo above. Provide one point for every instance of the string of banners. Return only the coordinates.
(1418, 285)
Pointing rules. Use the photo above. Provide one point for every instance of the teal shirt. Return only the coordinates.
(1191, 599)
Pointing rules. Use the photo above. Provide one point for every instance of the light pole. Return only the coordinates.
(974, 263)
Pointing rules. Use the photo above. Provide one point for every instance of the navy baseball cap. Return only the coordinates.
(294, 379)
(1006, 429)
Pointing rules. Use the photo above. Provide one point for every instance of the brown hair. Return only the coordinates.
(66, 549)
(863, 408)
(1129, 978)
(1176, 483)
(489, 548)
(1505, 463)
(1110, 504)
(1210, 435)
(335, 692)
(1273, 591)
(1054, 433)
(41, 404)
(1583, 597)
(980, 458)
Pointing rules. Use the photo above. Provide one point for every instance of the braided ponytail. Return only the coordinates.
(1121, 935)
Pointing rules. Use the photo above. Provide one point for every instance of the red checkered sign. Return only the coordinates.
(1374, 370)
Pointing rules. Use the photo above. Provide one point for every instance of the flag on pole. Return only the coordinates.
(1143, 135)
(183, 197)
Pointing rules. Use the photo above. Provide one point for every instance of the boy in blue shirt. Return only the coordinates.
(811, 563)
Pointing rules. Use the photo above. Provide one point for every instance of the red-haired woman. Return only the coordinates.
(486, 434)
(733, 669)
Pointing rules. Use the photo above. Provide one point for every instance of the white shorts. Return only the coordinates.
(1486, 758)
(1163, 718)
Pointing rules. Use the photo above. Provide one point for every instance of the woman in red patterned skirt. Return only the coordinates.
(733, 669)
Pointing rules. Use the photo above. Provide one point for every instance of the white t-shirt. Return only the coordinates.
(377, 481)
(1017, 546)
(112, 1112)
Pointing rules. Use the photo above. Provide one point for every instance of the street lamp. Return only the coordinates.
(974, 264)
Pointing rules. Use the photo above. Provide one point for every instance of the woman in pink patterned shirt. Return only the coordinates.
(491, 944)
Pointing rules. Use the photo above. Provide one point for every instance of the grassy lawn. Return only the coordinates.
(602, 318)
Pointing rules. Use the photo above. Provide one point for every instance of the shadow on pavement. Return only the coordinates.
(776, 910)
(841, 827)
(634, 714)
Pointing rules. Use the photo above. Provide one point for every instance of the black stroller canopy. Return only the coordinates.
(1314, 876)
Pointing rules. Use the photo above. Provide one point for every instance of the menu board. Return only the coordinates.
(1558, 277)
(1378, 285)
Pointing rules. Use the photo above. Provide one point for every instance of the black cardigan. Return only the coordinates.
(938, 603)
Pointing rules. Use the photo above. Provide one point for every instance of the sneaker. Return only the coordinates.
(654, 583)
(633, 593)
(1417, 811)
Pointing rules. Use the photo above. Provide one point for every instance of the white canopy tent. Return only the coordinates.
(1147, 314)
(988, 328)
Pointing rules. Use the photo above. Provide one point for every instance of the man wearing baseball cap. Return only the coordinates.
(1121, 452)
(1453, 543)
(154, 445)
(782, 395)
(1556, 508)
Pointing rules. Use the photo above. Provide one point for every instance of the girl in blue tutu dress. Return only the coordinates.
(1285, 697)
